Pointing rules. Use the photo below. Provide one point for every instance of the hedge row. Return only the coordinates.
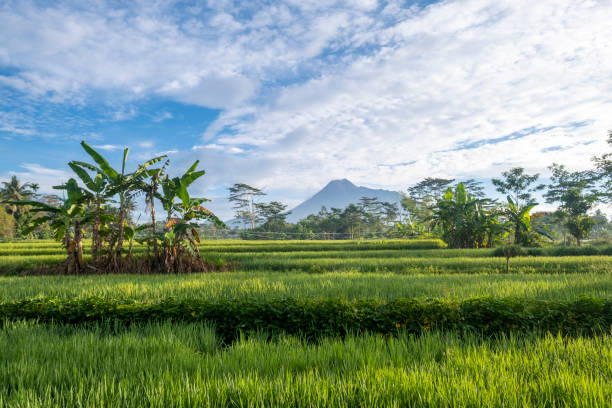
(588, 250)
(323, 317)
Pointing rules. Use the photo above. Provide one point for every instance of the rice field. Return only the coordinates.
(181, 364)
(184, 366)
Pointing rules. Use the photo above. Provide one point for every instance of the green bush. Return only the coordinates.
(599, 250)
(313, 318)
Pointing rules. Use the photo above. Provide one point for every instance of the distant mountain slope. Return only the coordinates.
(339, 194)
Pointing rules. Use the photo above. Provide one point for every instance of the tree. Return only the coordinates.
(463, 219)
(474, 188)
(603, 172)
(12, 191)
(420, 199)
(576, 193)
(519, 187)
(243, 197)
(117, 183)
(96, 191)
(181, 226)
(7, 224)
(67, 222)
(150, 189)
(273, 215)
(428, 190)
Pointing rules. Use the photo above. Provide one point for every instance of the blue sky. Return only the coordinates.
(289, 95)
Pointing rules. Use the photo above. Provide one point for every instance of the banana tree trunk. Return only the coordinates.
(154, 228)
(121, 232)
(517, 232)
(78, 245)
(95, 238)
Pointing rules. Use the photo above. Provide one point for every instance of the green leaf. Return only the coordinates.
(101, 161)
(125, 156)
(83, 175)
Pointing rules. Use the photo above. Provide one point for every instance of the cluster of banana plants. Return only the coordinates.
(173, 249)
(466, 221)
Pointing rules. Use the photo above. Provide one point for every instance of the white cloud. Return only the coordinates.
(321, 90)
(45, 177)
(161, 116)
(109, 147)
(453, 74)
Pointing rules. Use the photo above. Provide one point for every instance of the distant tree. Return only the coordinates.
(418, 202)
(603, 173)
(7, 224)
(243, 198)
(576, 194)
(518, 186)
(14, 190)
(272, 215)
(428, 190)
(474, 188)
(464, 221)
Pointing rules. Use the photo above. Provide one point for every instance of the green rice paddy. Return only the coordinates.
(186, 364)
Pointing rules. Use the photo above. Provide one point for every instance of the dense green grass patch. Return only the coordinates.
(314, 318)
(344, 285)
(406, 265)
(182, 365)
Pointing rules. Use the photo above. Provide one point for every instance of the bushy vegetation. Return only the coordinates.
(172, 250)
(314, 318)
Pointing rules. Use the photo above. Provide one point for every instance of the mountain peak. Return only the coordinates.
(338, 194)
(340, 182)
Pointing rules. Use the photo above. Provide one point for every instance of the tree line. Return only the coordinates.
(457, 212)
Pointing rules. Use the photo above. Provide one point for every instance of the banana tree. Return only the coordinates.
(66, 221)
(182, 213)
(461, 218)
(96, 189)
(120, 184)
(150, 189)
(519, 218)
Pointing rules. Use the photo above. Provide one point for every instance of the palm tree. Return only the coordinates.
(14, 190)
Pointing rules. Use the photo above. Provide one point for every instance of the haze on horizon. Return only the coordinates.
(290, 95)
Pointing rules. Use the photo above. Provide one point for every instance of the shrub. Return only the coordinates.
(314, 318)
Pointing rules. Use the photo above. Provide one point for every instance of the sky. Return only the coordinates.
(287, 96)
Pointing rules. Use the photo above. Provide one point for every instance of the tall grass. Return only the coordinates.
(346, 285)
(183, 366)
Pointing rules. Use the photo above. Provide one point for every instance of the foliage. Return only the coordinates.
(465, 222)
(86, 206)
(7, 224)
(576, 193)
(603, 172)
(313, 318)
(243, 197)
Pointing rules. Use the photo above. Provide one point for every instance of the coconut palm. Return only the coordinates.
(14, 190)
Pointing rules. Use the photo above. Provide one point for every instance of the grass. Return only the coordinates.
(183, 366)
(347, 285)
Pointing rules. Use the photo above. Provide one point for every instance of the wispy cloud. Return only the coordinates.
(109, 147)
(376, 91)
